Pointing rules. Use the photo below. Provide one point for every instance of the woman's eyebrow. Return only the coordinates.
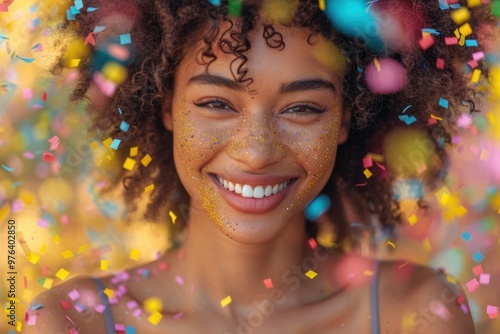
(306, 84)
(217, 80)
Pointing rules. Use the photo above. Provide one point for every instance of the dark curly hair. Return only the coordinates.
(163, 31)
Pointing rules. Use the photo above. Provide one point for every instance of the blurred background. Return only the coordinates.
(64, 229)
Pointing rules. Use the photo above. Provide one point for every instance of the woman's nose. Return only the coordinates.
(257, 144)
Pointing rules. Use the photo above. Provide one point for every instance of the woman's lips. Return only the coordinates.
(252, 199)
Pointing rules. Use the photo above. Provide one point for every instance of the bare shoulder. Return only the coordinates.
(66, 308)
(419, 299)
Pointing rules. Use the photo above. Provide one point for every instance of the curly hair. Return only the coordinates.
(163, 31)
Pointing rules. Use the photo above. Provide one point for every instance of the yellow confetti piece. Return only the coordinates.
(129, 164)
(62, 274)
(311, 274)
(4, 211)
(436, 117)
(146, 160)
(485, 155)
(74, 62)
(377, 64)
(451, 279)
(461, 41)
(107, 142)
(473, 3)
(457, 33)
(153, 304)
(368, 272)
(367, 173)
(104, 265)
(43, 249)
(426, 244)
(27, 198)
(56, 239)
(390, 243)
(443, 195)
(476, 75)
(94, 145)
(67, 254)
(376, 157)
(134, 151)
(108, 292)
(226, 301)
(134, 254)
(82, 249)
(460, 211)
(460, 15)
(19, 326)
(322, 5)
(47, 283)
(149, 188)
(173, 217)
(155, 318)
(465, 29)
(33, 257)
(413, 219)
(115, 72)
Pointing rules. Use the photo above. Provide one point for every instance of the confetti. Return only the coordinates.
(146, 160)
(134, 254)
(311, 274)
(268, 283)
(104, 265)
(129, 164)
(149, 188)
(62, 274)
(155, 318)
(125, 39)
(226, 301)
(173, 217)
(472, 285)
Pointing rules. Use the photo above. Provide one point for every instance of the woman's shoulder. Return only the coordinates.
(71, 305)
(419, 299)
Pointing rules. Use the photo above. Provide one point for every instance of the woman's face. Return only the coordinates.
(251, 156)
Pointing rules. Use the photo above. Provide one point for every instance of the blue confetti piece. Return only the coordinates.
(443, 4)
(26, 60)
(409, 120)
(79, 4)
(4, 37)
(145, 273)
(70, 16)
(91, 9)
(360, 70)
(37, 45)
(466, 236)
(99, 29)
(408, 107)
(431, 31)
(478, 256)
(115, 144)
(130, 330)
(443, 103)
(455, 6)
(8, 169)
(36, 22)
(74, 10)
(17, 184)
(471, 43)
(214, 2)
(124, 126)
(36, 307)
(125, 39)
(120, 111)
(317, 207)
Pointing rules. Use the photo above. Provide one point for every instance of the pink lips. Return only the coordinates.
(252, 205)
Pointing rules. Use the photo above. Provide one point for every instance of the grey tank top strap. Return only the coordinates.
(374, 303)
(108, 316)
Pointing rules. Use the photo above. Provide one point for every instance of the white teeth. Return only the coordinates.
(248, 191)
(258, 192)
(268, 191)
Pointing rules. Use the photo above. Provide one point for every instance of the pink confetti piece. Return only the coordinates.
(54, 143)
(492, 311)
(179, 280)
(132, 304)
(312, 243)
(37, 48)
(472, 285)
(268, 283)
(74, 294)
(451, 40)
(137, 312)
(477, 56)
(472, 63)
(31, 320)
(79, 308)
(100, 308)
(64, 220)
(73, 331)
(42, 223)
(179, 315)
(367, 162)
(119, 327)
(27, 94)
(28, 155)
(477, 270)
(484, 279)
(440, 63)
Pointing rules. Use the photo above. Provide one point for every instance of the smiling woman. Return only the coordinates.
(246, 109)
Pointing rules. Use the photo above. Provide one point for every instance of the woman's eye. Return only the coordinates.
(304, 110)
(214, 104)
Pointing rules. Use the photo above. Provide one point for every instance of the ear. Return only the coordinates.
(166, 114)
(345, 124)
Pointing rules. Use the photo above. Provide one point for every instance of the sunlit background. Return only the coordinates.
(65, 229)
